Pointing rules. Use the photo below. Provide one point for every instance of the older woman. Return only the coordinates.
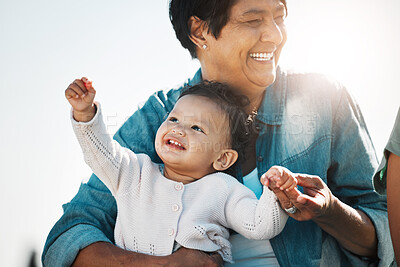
(305, 122)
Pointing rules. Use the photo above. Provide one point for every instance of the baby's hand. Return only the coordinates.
(80, 94)
(279, 177)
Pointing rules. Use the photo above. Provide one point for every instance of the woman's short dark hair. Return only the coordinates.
(234, 106)
(214, 12)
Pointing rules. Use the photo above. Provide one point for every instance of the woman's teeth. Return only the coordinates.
(262, 56)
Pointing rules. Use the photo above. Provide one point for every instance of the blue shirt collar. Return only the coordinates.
(273, 105)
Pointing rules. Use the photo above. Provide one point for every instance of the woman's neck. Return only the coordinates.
(255, 102)
(253, 91)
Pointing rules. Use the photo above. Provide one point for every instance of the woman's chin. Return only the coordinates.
(262, 77)
(265, 80)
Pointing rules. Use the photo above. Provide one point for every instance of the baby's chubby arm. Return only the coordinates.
(281, 181)
(80, 94)
(252, 218)
(111, 162)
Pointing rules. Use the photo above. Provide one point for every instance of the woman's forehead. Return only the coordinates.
(256, 6)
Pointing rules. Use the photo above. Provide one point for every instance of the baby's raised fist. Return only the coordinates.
(80, 94)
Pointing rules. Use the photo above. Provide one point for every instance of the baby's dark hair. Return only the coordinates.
(233, 105)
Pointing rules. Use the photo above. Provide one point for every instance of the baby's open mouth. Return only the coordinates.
(175, 144)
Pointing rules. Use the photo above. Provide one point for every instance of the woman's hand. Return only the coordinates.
(195, 258)
(316, 201)
(80, 94)
(352, 228)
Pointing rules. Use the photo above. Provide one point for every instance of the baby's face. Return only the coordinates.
(193, 136)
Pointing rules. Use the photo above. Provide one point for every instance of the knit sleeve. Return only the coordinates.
(252, 218)
(117, 167)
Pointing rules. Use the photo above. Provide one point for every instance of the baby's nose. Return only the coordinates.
(179, 131)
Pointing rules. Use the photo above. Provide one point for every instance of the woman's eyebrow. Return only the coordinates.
(253, 12)
(279, 8)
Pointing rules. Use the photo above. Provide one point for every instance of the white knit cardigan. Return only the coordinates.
(154, 212)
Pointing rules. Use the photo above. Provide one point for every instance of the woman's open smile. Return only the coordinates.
(263, 56)
(247, 51)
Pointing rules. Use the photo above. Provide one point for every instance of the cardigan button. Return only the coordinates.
(259, 158)
(175, 207)
(179, 187)
(170, 232)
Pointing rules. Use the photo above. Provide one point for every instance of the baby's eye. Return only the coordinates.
(173, 119)
(197, 128)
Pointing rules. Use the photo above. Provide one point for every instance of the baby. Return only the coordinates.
(188, 200)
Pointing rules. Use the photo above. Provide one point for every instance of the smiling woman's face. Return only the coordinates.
(246, 53)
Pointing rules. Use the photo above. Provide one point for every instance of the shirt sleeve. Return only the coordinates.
(350, 175)
(93, 210)
(117, 167)
(88, 218)
(252, 218)
(393, 146)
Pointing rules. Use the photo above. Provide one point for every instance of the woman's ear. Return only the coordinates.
(197, 29)
(227, 158)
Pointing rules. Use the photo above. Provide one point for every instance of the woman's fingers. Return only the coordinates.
(313, 202)
(309, 181)
(286, 198)
(317, 197)
(283, 199)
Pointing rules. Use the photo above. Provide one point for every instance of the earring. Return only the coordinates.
(204, 46)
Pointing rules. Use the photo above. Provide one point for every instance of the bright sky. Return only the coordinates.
(129, 49)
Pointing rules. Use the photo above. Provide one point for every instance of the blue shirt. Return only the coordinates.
(307, 123)
(251, 181)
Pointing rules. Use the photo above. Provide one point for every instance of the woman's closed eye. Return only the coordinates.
(254, 22)
(197, 129)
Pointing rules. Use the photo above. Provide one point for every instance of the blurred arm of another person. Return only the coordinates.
(393, 202)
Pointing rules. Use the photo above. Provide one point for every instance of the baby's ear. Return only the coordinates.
(227, 158)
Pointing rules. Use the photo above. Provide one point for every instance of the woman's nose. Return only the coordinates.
(271, 33)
